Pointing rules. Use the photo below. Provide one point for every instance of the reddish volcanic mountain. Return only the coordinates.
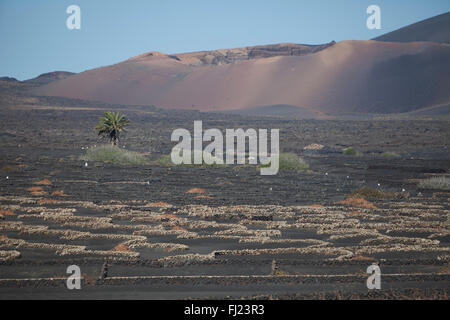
(349, 76)
(49, 77)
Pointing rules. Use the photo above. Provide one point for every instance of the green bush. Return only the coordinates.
(164, 160)
(439, 183)
(350, 151)
(114, 154)
(290, 162)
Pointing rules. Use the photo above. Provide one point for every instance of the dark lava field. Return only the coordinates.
(175, 232)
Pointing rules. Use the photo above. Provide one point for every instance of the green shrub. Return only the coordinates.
(164, 160)
(350, 151)
(290, 162)
(439, 183)
(390, 155)
(114, 154)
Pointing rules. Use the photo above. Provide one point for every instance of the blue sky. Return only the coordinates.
(35, 39)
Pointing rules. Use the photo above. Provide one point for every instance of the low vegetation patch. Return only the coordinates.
(290, 162)
(438, 183)
(350, 151)
(114, 154)
(164, 160)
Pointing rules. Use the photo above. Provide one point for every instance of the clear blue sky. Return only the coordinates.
(34, 37)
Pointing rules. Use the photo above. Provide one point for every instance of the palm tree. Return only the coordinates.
(110, 125)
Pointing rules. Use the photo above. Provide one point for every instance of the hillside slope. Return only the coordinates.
(435, 29)
(349, 76)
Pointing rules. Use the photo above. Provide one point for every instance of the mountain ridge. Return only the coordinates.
(348, 76)
(434, 29)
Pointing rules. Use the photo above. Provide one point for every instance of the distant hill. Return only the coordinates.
(402, 71)
(8, 79)
(49, 77)
(348, 76)
(435, 29)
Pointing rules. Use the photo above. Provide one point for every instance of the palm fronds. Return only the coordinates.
(110, 125)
